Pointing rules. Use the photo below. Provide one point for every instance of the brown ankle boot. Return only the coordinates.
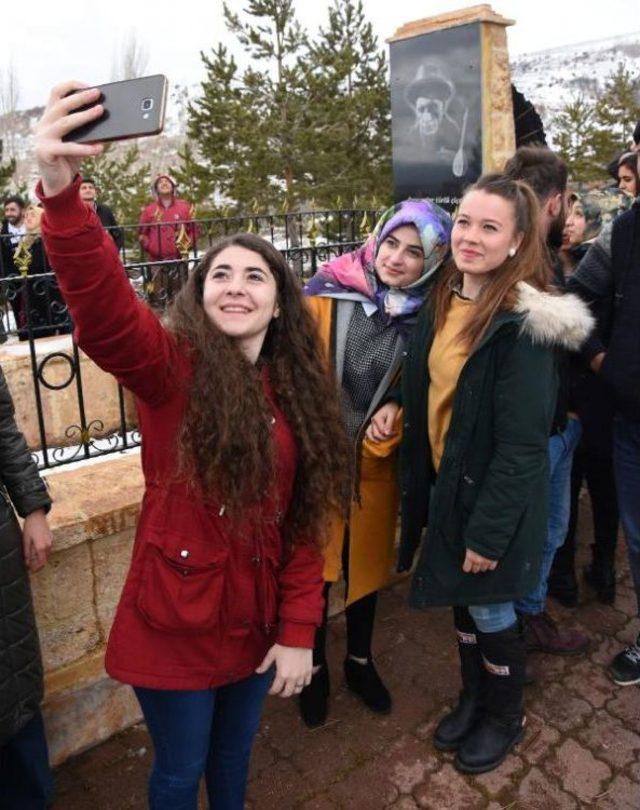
(542, 634)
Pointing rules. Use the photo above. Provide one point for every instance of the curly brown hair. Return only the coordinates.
(225, 440)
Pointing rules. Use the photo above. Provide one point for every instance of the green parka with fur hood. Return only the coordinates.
(490, 494)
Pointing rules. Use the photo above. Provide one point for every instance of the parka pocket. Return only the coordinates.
(182, 584)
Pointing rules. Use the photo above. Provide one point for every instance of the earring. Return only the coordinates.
(512, 252)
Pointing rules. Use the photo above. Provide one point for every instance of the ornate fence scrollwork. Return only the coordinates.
(48, 359)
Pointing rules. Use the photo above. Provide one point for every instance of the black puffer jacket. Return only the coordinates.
(20, 663)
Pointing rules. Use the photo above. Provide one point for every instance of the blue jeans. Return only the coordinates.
(493, 618)
(561, 449)
(26, 782)
(208, 732)
(626, 465)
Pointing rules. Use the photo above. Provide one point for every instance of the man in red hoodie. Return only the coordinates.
(167, 233)
(165, 222)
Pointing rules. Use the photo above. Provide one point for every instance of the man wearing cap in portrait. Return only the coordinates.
(440, 115)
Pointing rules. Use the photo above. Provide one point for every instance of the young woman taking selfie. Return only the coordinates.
(478, 393)
(243, 455)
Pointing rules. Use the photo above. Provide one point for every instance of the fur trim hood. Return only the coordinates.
(555, 320)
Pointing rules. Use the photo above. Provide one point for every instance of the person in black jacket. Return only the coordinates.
(608, 278)
(36, 300)
(25, 777)
(89, 195)
(590, 212)
(546, 174)
(11, 235)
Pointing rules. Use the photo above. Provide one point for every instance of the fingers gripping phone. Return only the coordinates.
(132, 109)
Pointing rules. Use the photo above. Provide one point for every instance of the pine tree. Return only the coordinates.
(617, 110)
(6, 176)
(123, 182)
(217, 163)
(248, 127)
(351, 108)
(574, 135)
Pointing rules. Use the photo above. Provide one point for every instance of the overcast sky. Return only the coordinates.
(51, 40)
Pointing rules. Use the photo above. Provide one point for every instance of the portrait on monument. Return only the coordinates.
(436, 113)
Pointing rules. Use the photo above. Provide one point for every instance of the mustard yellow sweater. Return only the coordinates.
(446, 359)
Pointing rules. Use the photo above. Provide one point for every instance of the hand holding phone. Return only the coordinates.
(77, 118)
(59, 161)
(131, 109)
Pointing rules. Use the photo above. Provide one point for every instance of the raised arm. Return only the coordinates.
(112, 326)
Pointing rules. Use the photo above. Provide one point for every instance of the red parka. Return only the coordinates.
(203, 601)
(160, 226)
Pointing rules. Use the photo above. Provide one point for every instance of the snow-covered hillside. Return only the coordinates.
(552, 78)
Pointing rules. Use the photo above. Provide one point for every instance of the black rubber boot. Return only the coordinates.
(502, 722)
(564, 589)
(363, 679)
(601, 575)
(454, 726)
(314, 699)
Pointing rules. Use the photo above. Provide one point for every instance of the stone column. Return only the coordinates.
(440, 53)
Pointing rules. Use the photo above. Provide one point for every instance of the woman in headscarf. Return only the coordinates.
(366, 304)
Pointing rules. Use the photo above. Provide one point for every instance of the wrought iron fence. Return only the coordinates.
(32, 308)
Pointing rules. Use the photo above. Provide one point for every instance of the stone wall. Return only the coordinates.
(75, 595)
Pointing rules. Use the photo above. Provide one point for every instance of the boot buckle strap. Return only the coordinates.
(502, 670)
(466, 638)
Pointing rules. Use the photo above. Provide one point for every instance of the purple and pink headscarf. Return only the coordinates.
(353, 276)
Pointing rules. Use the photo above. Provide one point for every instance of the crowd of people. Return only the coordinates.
(468, 372)
(166, 233)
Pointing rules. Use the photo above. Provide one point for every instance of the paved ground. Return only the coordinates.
(582, 748)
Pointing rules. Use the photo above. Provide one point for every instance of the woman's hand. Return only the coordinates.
(382, 422)
(36, 540)
(59, 161)
(596, 362)
(477, 564)
(293, 669)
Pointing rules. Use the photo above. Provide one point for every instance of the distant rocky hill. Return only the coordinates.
(159, 152)
(549, 79)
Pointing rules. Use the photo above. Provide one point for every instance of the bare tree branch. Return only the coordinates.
(131, 60)
(9, 101)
